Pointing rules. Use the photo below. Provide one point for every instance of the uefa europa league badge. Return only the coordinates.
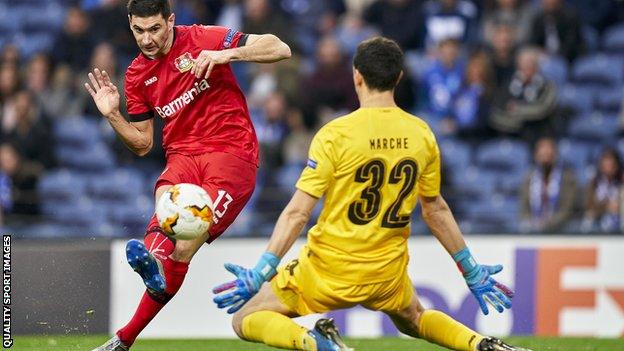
(185, 62)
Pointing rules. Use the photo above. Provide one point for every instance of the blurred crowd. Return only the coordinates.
(497, 80)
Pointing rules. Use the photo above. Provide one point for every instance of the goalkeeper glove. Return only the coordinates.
(236, 293)
(481, 284)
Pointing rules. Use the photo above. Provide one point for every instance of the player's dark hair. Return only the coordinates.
(380, 61)
(149, 8)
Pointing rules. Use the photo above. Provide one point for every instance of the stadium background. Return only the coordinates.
(68, 185)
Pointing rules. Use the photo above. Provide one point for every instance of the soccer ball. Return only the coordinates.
(185, 211)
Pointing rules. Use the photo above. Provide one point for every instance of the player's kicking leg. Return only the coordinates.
(438, 328)
(162, 264)
(265, 319)
(146, 265)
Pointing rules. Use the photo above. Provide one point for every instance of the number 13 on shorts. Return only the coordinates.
(221, 204)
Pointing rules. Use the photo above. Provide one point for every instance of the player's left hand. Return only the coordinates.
(236, 293)
(207, 59)
(479, 279)
(486, 289)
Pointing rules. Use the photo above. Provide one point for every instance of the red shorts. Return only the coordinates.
(229, 180)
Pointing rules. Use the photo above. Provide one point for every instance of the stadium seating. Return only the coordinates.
(81, 211)
(31, 24)
(591, 37)
(495, 212)
(61, 185)
(554, 68)
(474, 182)
(119, 185)
(596, 128)
(576, 98)
(613, 39)
(598, 69)
(609, 100)
(455, 154)
(503, 154)
(96, 157)
(76, 131)
(132, 215)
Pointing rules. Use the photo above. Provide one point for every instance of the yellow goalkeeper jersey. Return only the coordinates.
(371, 165)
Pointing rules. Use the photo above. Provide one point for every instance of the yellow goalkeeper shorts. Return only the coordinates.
(299, 286)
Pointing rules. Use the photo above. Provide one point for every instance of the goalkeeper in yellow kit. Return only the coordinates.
(372, 166)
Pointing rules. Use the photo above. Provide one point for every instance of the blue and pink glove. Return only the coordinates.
(236, 293)
(481, 284)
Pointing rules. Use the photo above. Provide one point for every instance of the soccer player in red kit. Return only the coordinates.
(183, 76)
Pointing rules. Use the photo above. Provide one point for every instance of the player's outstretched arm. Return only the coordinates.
(486, 289)
(236, 293)
(261, 48)
(138, 136)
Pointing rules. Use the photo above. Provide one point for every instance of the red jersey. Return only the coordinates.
(201, 115)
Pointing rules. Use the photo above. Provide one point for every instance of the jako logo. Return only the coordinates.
(178, 103)
(151, 81)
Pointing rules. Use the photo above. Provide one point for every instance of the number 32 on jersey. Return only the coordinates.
(368, 206)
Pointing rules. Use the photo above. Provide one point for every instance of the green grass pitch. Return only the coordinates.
(86, 343)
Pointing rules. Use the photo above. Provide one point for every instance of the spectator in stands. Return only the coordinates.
(294, 150)
(527, 106)
(598, 14)
(10, 54)
(313, 19)
(111, 20)
(330, 85)
(28, 129)
(442, 82)
(297, 142)
(24, 176)
(548, 192)
(104, 58)
(514, 13)
(74, 45)
(9, 82)
(190, 12)
(231, 14)
(351, 31)
(38, 81)
(260, 17)
(38, 73)
(270, 125)
(268, 78)
(405, 92)
(400, 20)
(503, 53)
(602, 203)
(471, 106)
(450, 18)
(557, 29)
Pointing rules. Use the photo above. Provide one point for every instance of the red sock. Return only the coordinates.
(156, 242)
(161, 247)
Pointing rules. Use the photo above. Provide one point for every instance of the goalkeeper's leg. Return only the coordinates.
(265, 319)
(435, 326)
(439, 328)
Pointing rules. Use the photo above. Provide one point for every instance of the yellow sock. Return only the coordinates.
(439, 328)
(277, 330)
